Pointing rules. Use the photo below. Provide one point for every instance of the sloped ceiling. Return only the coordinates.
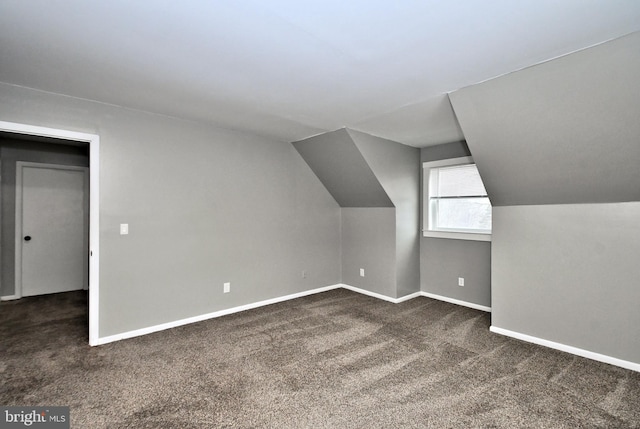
(566, 131)
(338, 163)
(294, 69)
(396, 166)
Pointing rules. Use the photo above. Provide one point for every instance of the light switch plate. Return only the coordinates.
(124, 228)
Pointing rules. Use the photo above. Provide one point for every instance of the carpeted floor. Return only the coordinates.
(332, 360)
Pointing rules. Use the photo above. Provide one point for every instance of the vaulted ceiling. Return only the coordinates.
(293, 69)
(561, 132)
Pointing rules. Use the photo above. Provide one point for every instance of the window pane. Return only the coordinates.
(462, 213)
(459, 181)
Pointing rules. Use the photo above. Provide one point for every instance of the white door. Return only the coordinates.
(51, 228)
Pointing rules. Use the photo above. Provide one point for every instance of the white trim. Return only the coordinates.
(94, 240)
(569, 349)
(94, 207)
(457, 235)
(220, 313)
(408, 297)
(451, 235)
(215, 314)
(379, 295)
(9, 297)
(447, 162)
(456, 301)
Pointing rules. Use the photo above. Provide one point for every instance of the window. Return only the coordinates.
(456, 202)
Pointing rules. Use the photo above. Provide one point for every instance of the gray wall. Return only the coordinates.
(340, 166)
(569, 274)
(369, 242)
(397, 167)
(550, 141)
(204, 206)
(443, 260)
(444, 151)
(562, 132)
(11, 151)
(368, 172)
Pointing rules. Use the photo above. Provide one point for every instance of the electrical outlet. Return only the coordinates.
(361, 272)
(227, 287)
(460, 281)
(124, 228)
(304, 274)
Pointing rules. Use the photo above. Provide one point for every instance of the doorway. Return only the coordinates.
(91, 143)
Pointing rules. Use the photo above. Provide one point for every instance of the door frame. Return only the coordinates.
(93, 140)
(20, 165)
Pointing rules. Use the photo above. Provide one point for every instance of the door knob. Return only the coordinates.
(27, 238)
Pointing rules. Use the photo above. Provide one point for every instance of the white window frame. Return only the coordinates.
(426, 170)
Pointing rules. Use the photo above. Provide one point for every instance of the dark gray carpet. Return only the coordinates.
(332, 360)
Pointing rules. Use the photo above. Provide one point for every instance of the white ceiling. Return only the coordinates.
(294, 68)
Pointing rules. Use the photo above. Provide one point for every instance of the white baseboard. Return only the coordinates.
(569, 349)
(408, 297)
(456, 301)
(202, 317)
(379, 295)
(9, 297)
(558, 346)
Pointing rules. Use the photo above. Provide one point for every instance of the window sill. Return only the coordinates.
(457, 235)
